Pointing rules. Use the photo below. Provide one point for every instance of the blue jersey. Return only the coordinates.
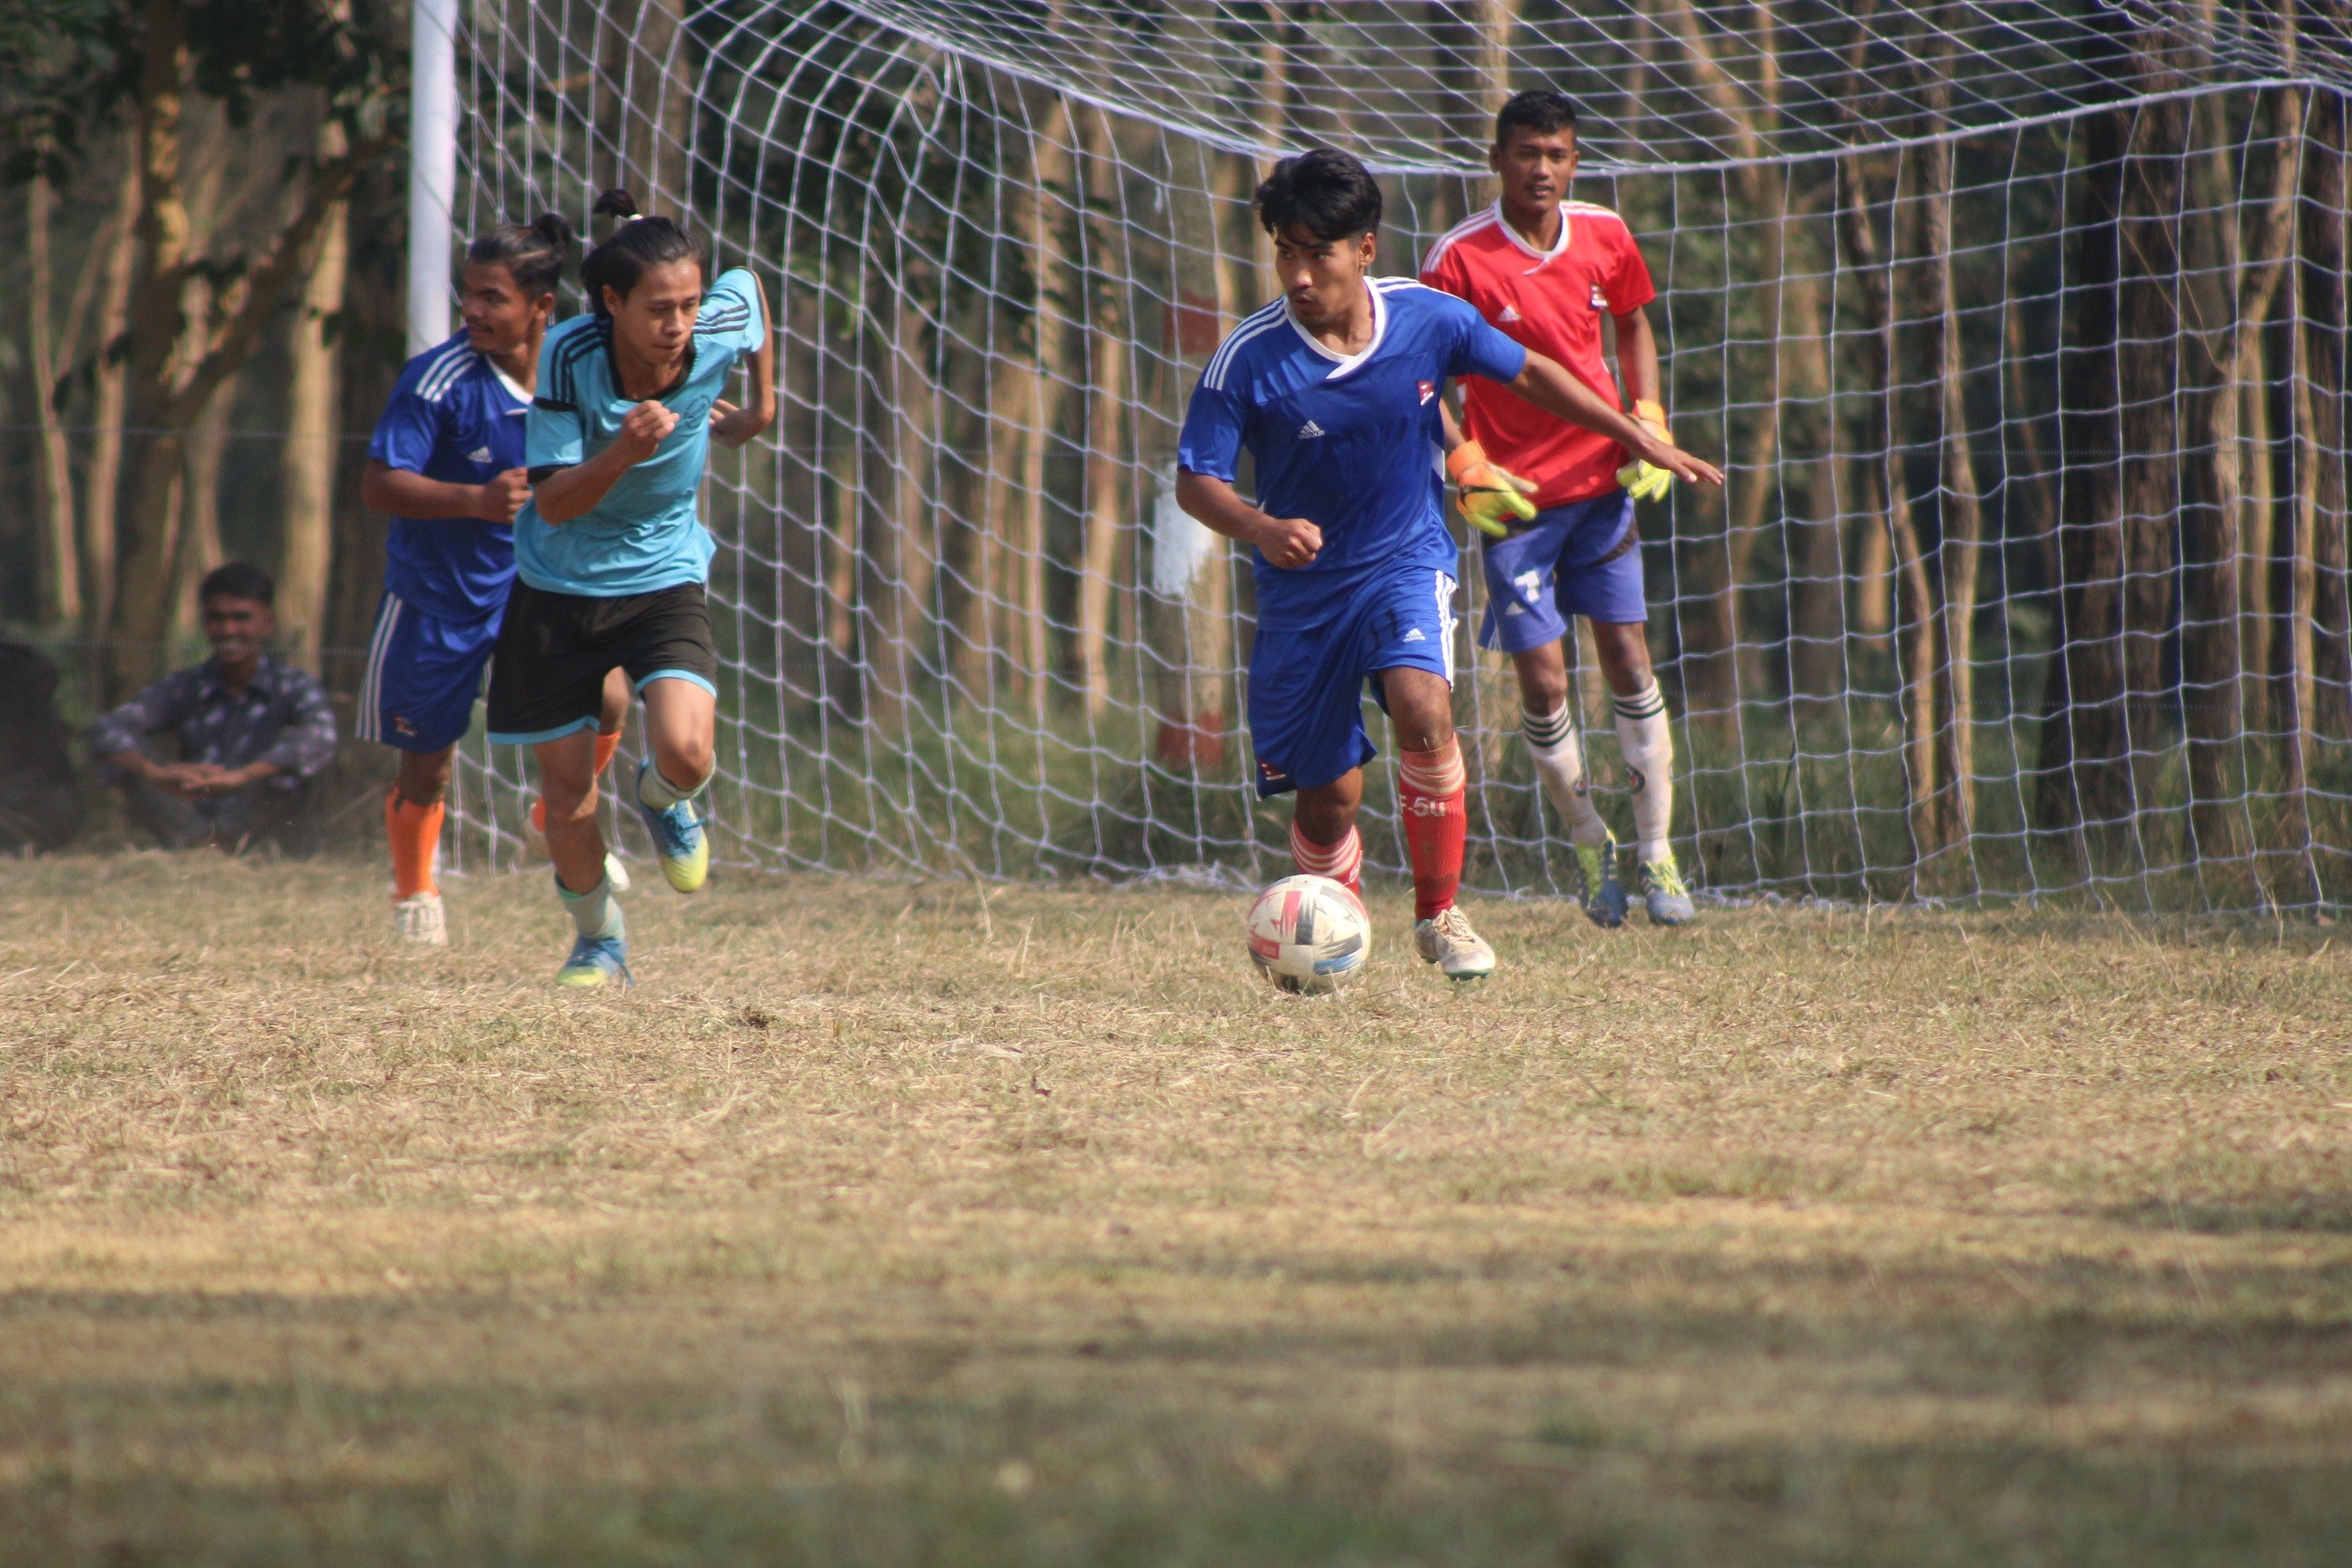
(644, 536)
(455, 417)
(1352, 443)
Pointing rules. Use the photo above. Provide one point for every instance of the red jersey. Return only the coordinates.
(1553, 303)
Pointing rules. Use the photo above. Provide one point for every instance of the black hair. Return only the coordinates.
(237, 580)
(630, 250)
(533, 252)
(1326, 192)
(1539, 109)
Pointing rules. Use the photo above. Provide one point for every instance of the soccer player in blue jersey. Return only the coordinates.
(1334, 392)
(446, 465)
(611, 556)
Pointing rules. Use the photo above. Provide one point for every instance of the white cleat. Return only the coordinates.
(616, 873)
(418, 919)
(1447, 941)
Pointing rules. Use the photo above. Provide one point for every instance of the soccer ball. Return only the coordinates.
(1309, 934)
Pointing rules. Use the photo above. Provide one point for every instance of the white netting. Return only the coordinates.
(2021, 326)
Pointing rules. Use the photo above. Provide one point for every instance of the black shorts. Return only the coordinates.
(547, 678)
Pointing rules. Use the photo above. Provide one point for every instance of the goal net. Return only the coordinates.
(2017, 327)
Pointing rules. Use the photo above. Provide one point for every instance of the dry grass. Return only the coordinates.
(885, 1226)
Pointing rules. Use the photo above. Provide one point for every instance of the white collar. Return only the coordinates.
(1343, 364)
(514, 389)
(1559, 245)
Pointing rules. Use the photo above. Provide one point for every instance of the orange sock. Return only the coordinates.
(416, 834)
(1433, 797)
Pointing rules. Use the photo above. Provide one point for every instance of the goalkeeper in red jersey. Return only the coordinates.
(1558, 499)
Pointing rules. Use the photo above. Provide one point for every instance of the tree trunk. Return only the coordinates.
(1110, 484)
(2084, 745)
(2212, 501)
(308, 461)
(59, 558)
(900, 552)
(200, 533)
(2148, 366)
(1915, 625)
(1963, 515)
(102, 486)
(2323, 652)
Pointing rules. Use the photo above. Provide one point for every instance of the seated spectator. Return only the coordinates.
(254, 732)
(41, 802)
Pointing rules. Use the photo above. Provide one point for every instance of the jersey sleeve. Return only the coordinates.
(731, 320)
(553, 436)
(1210, 444)
(410, 430)
(1628, 287)
(1442, 271)
(1481, 349)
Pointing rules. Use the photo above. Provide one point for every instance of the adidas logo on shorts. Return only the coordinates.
(479, 455)
(1510, 313)
(1413, 635)
(1310, 431)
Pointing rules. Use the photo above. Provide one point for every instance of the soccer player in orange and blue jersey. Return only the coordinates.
(1558, 499)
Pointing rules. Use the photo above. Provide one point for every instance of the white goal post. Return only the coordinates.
(2018, 326)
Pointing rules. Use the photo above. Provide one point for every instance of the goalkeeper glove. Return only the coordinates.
(1487, 496)
(1644, 480)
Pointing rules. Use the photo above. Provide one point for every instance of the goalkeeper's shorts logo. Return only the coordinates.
(1635, 783)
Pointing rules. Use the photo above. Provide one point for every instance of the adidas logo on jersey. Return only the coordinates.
(1413, 635)
(479, 455)
(1310, 431)
(1510, 313)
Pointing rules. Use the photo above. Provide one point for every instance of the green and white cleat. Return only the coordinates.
(596, 960)
(1447, 941)
(419, 920)
(1664, 894)
(679, 843)
(1599, 887)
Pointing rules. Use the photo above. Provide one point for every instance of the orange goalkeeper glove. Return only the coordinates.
(1487, 495)
(1643, 480)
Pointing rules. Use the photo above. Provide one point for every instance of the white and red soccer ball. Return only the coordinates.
(1309, 934)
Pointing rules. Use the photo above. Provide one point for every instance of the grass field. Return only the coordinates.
(885, 1224)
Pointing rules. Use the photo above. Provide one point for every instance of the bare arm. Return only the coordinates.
(732, 427)
(1286, 542)
(1637, 356)
(1545, 383)
(574, 492)
(397, 492)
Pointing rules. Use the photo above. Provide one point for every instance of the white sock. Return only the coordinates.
(660, 793)
(1558, 753)
(595, 912)
(1649, 750)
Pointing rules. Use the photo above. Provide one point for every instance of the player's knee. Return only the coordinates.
(1543, 692)
(685, 763)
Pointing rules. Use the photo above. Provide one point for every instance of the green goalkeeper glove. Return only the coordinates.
(1644, 480)
(1489, 498)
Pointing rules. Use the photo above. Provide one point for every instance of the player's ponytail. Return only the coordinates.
(636, 246)
(532, 253)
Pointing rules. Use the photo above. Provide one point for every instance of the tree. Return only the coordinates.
(174, 362)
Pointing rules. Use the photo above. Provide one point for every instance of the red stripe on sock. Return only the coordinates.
(1342, 862)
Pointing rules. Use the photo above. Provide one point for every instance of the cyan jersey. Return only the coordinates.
(644, 536)
(1352, 443)
(455, 417)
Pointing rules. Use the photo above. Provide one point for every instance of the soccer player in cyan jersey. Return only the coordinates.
(1335, 391)
(611, 556)
(446, 464)
(1558, 499)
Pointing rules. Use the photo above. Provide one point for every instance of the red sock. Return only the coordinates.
(606, 746)
(1432, 797)
(416, 834)
(1342, 862)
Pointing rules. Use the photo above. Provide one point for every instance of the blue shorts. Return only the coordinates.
(1307, 684)
(423, 675)
(1581, 559)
